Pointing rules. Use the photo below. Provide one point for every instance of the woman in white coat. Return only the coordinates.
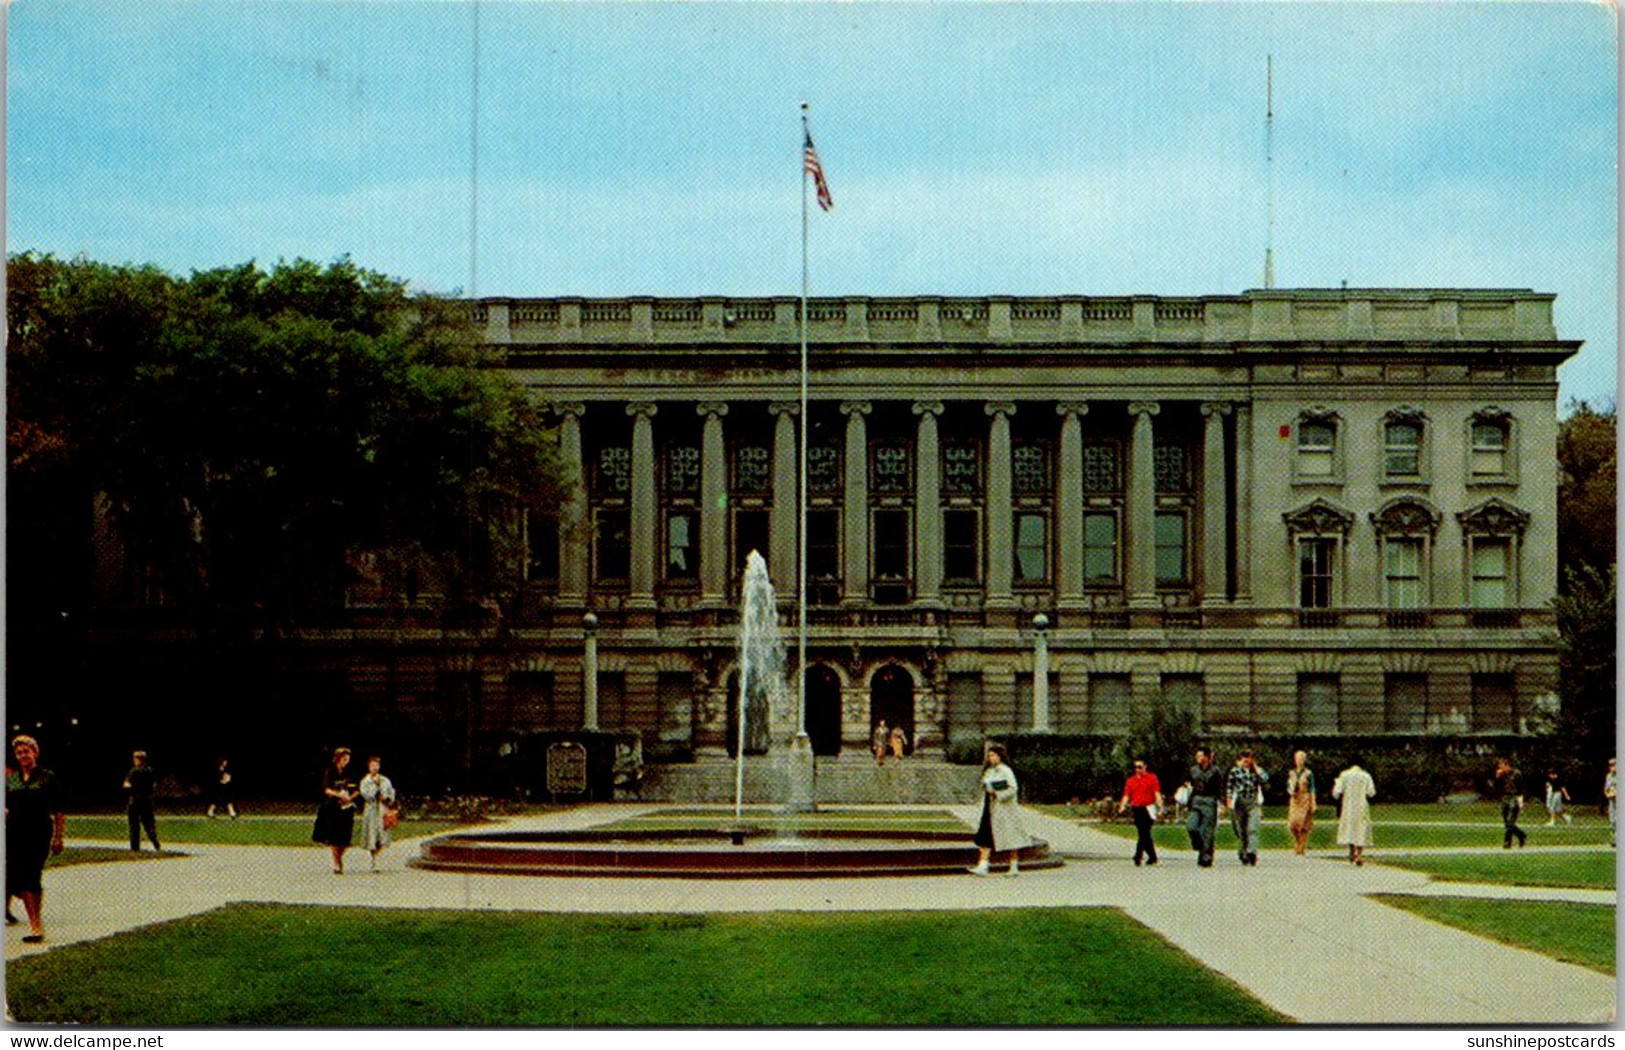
(1356, 789)
(1000, 828)
(379, 795)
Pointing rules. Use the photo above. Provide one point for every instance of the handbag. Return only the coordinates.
(392, 817)
(1182, 796)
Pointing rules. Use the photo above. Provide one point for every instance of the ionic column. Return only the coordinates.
(713, 504)
(782, 524)
(1069, 506)
(927, 504)
(1142, 508)
(1000, 526)
(575, 537)
(645, 519)
(1215, 542)
(1244, 504)
(856, 532)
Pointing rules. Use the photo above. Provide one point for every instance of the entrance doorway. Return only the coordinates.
(891, 700)
(824, 710)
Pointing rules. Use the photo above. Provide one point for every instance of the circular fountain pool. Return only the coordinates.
(712, 853)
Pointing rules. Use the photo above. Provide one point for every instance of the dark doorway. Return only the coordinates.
(891, 699)
(757, 730)
(824, 710)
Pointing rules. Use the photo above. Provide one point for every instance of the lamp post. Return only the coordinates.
(589, 671)
(1040, 674)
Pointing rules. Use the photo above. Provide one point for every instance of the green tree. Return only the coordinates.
(1585, 604)
(1588, 479)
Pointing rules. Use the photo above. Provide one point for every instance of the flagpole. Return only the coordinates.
(806, 423)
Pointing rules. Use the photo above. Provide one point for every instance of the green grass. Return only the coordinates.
(103, 855)
(1581, 870)
(272, 965)
(245, 831)
(1575, 933)
(1274, 835)
(856, 820)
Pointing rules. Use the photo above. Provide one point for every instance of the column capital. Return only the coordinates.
(1072, 408)
(1000, 408)
(928, 408)
(1143, 408)
(567, 408)
(855, 408)
(1216, 408)
(646, 409)
(784, 408)
(712, 408)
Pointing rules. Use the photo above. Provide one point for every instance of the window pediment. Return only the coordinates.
(1494, 517)
(1493, 414)
(1406, 517)
(1320, 517)
(1406, 414)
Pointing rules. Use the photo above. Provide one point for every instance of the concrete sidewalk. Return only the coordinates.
(1300, 933)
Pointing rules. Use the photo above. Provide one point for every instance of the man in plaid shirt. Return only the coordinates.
(1244, 792)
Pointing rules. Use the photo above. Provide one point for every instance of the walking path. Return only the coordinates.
(1300, 933)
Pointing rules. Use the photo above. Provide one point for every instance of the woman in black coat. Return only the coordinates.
(335, 818)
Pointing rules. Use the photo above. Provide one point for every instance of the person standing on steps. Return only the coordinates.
(1000, 828)
(880, 743)
(138, 785)
(1244, 791)
(1142, 793)
(1509, 785)
(1206, 787)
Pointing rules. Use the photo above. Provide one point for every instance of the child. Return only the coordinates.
(1556, 795)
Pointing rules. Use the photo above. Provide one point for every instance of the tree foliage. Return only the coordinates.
(1585, 605)
(1588, 479)
(248, 427)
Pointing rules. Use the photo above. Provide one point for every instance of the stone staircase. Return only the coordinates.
(844, 780)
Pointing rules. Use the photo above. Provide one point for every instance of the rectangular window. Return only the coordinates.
(823, 544)
(683, 470)
(964, 709)
(1183, 693)
(1032, 548)
(1110, 700)
(1318, 703)
(612, 700)
(753, 468)
(962, 469)
(1489, 449)
(1171, 467)
(1316, 445)
(1405, 702)
(1402, 557)
(961, 546)
(824, 469)
(613, 476)
(541, 546)
(750, 534)
(674, 700)
(1030, 470)
(888, 469)
(1100, 471)
(1490, 561)
(682, 545)
(614, 545)
(1315, 572)
(1100, 548)
(1170, 548)
(1495, 703)
(1402, 450)
(530, 701)
(891, 545)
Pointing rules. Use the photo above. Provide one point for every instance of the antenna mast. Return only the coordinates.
(1269, 171)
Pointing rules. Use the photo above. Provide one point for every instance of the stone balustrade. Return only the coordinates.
(1476, 316)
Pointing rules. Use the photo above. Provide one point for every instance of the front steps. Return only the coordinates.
(844, 780)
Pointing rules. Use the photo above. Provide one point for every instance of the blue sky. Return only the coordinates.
(1091, 148)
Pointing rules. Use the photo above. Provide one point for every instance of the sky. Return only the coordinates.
(600, 149)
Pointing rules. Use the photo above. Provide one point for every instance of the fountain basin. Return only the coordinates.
(712, 853)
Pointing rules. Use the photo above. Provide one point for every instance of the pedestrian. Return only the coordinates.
(1300, 807)
(378, 795)
(1205, 789)
(1244, 791)
(335, 818)
(898, 741)
(1356, 789)
(880, 743)
(36, 821)
(221, 793)
(1610, 791)
(1142, 793)
(1557, 794)
(11, 918)
(1001, 828)
(1509, 785)
(138, 785)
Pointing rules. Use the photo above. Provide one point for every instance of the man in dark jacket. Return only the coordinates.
(138, 784)
(1206, 786)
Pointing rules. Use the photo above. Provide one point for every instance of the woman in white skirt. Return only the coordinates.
(379, 795)
(1000, 828)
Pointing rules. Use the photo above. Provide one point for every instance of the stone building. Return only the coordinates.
(1313, 511)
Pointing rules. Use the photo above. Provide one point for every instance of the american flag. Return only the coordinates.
(812, 167)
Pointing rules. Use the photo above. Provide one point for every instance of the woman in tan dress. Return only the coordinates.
(1300, 793)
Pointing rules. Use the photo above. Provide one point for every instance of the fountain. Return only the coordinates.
(737, 850)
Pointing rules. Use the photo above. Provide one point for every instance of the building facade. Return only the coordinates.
(1303, 511)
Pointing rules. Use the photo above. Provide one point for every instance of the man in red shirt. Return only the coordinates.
(1141, 792)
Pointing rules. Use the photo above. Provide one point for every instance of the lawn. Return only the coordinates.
(850, 819)
(1574, 933)
(103, 855)
(1410, 835)
(273, 965)
(245, 831)
(1582, 870)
